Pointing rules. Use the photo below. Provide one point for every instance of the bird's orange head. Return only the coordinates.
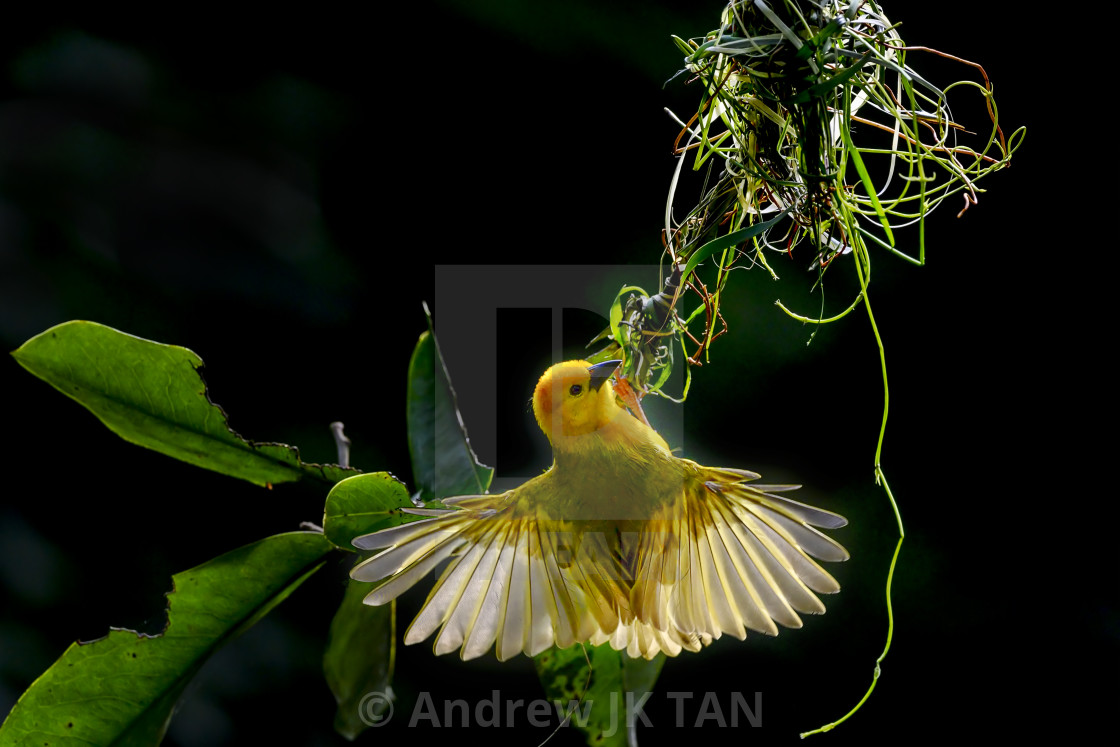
(574, 398)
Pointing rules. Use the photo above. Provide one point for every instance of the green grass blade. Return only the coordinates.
(857, 161)
(819, 89)
(727, 241)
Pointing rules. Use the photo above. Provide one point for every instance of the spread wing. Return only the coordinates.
(723, 557)
(518, 582)
(730, 556)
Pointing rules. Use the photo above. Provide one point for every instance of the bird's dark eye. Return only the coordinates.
(575, 390)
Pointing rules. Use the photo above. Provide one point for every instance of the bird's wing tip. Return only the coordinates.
(365, 542)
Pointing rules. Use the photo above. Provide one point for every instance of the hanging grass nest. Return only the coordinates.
(813, 131)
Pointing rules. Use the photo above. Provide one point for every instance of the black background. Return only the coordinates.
(275, 194)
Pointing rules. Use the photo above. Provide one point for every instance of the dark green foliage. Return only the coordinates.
(122, 689)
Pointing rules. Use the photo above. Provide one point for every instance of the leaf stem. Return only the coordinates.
(342, 443)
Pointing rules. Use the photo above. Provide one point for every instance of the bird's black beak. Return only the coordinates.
(600, 372)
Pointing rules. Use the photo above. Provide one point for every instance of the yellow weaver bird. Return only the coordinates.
(619, 541)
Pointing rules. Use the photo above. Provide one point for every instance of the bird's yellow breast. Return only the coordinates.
(608, 465)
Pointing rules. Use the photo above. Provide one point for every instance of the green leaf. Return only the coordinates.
(640, 675)
(153, 395)
(358, 663)
(122, 689)
(363, 504)
(443, 463)
(606, 707)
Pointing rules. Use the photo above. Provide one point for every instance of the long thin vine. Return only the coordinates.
(880, 479)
